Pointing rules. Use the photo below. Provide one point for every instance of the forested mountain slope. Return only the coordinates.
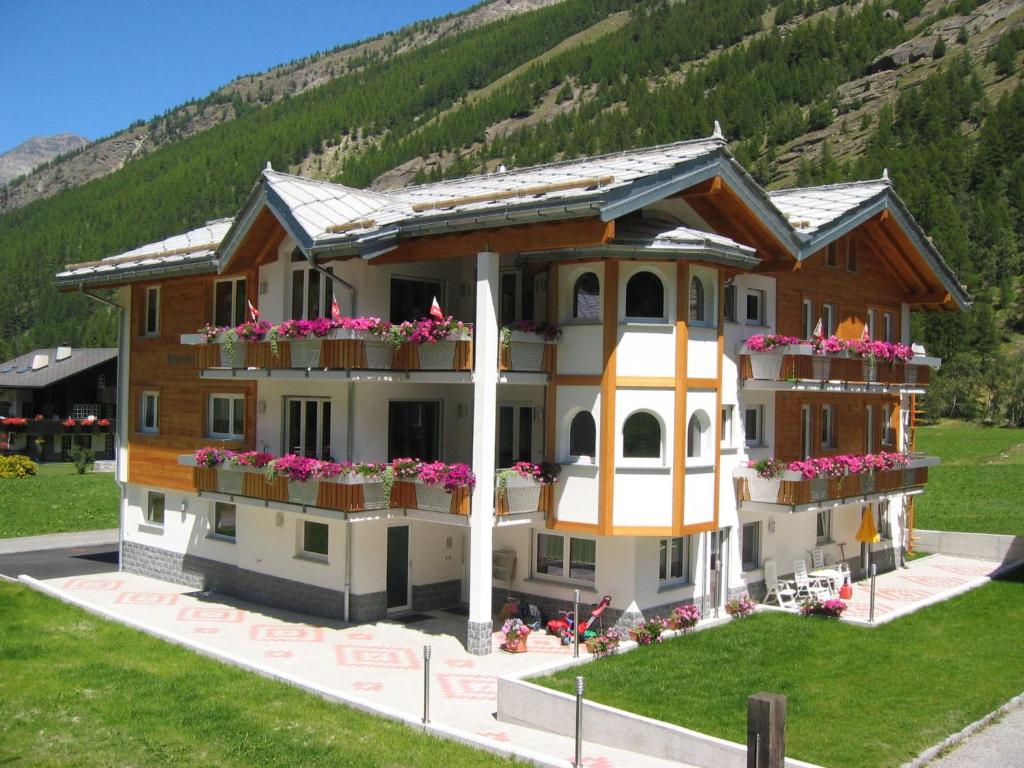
(807, 91)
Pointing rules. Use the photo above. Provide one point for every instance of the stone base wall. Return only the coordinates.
(441, 594)
(158, 564)
(368, 607)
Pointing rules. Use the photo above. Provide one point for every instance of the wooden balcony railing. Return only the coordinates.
(797, 363)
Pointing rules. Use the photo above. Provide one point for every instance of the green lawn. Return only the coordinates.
(858, 697)
(977, 486)
(76, 690)
(58, 499)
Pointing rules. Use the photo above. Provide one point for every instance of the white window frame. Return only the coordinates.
(888, 327)
(567, 540)
(233, 399)
(642, 461)
(824, 521)
(829, 311)
(307, 554)
(699, 452)
(666, 549)
(827, 427)
(883, 520)
(806, 432)
(762, 311)
(808, 318)
(730, 317)
(325, 293)
(154, 428)
(869, 429)
(582, 458)
(872, 323)
(574, 298)
(237, 312)
(727, 416)
(517, 421)
(151, 497)
(758, 415)
(151, 306)
(286, 415)
(888, 430)
(663, 317)
(751, 529)
(214, 533)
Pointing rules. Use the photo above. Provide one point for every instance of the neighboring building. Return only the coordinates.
(657, 264)
(41, 390)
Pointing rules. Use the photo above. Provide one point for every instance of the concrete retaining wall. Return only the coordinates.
(984, 546)
(527, 704)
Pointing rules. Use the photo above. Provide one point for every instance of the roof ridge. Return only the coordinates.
(837, 185)
(267, 172)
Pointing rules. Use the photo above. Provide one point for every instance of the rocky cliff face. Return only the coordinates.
(36, 151)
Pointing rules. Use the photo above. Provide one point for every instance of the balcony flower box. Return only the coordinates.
(375, 495)
(766, 351)
(440, 355)
(232, 355)
(303, 492)
(526, 342)
(822, 367)
(432, 498)
(229, 481)
(521, 485)
(305, 353)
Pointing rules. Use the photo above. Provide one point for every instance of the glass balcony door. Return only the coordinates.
(308, 427)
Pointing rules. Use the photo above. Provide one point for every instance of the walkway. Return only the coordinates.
(58, 541)
(1000, 744)
(378, 667)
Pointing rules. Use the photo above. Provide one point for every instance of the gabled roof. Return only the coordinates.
(188, 253)
(808, 209)
(18, 373)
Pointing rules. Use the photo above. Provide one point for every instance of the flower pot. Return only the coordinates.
(819, 488)
(515, 643)
(870, 370)
(766, 365)
(439, 356)
(305, 353)
(526, 356)
(373, 496)
(911, 373)
(229, 481)
(764, 490)
(303, 493)
(233, 358)
(522, 495)
(822, 367)
(378, 355)
(433, 498)
(867, 483)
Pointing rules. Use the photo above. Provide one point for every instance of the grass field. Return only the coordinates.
(56, 500)
(76, 690)
(977, 486)
(858, 697)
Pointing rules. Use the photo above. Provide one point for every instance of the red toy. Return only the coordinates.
(563, 626)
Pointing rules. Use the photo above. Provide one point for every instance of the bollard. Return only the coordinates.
(766, 731)
(426, 684)
(871, 612)
(579, 723)
(576, 626)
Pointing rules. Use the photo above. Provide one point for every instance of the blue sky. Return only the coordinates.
(94, 67)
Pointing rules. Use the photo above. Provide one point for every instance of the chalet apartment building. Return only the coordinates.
(655, 264)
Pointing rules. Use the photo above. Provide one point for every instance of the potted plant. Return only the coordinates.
(515, 632)
(830, 609)
(301, 474)
(684, 617)
(437, 481)
(647, 631)
(740, 607)
(821, 362)
(767, 352)
(436, 340)
(606, 643)
(525, 353)
(520, 485)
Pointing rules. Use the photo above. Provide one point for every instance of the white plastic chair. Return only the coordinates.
(806, 586)
(818, 560)
(782, 591)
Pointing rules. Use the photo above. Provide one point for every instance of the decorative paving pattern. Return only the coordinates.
(494, 735)
(593, 762)
(863, 610)
(455, 686)
(216, 615)
(95, 585)
(278, 654)
(146, 598)
(285, 633)
(376, 656)
(966, 570)
(939, 582)
(368, 685)
(367, 636)
(903, 595)
(460, 663)
(206, 630)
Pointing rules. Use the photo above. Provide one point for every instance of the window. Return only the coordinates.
(888, 431)
(515, 434)
(151, 325)
(884, 520)
(645, 297)
(312, 291)
(750, 546)
(828, 317)
(727, 413)
(641, 436)
(583, 435)
(149, 415)
(832, 254)
(808, 318)
(5, 409)
(517, 297)
(155, 508)
(805, 432)
(315, 538)
(851, 255)
(869, 429)
(308, 427)
(753, 433)
(698, 308)
(674, 560)
(224, 517)
(888, 327)
(586, 297)
(730, 303)
(227, 417)
(229, 301)
(755, 307)
(697, 433)
(828, 427)
(824, 531)
(554, 551)
(872, 323)
(411, 298)
(414, 429)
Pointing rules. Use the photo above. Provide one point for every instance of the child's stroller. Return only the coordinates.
(563, 627)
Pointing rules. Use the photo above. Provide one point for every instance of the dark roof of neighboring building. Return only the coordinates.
(29, 371)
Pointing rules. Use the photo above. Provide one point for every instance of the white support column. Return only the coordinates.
(485, 404)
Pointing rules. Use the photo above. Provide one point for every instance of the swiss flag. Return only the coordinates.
(335, 309)
(865, 335)
(818, 332)
(435, 310)
(255, 313)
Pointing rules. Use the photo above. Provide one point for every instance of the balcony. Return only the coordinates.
(356, 497)
(57, 426)
(792, 492)
(796, 367)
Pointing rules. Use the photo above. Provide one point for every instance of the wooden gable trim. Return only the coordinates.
(715, 202)
(259, 246)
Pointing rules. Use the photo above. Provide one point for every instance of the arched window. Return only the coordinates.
(586, 297)
(645, 296)
(698, 313)
(696, 435)
(641, 436)
(582, 435)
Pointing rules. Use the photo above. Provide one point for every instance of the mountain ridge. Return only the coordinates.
(31, 153)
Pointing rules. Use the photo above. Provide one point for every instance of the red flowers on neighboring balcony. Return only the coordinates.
(832, 466)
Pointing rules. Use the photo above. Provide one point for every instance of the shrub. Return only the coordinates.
(82, 458)
(17, 466)
(740, 608)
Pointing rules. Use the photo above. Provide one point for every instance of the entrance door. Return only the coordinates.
(398, 567)
(718, 577)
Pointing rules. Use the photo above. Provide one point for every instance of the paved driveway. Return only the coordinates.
(55, 563)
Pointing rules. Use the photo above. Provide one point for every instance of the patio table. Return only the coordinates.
(832, 576)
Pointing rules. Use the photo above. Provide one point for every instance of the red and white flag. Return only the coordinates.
(253, 312)
(819, 332)
(435, 310)
(865, 335)
(335, 309)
